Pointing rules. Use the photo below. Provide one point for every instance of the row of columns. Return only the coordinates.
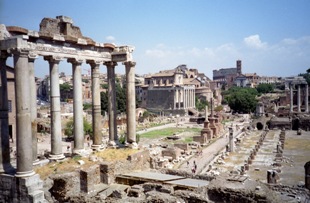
(26, 109)
(187, 96)
(299, 98)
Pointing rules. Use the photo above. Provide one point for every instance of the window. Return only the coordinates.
(10, 105)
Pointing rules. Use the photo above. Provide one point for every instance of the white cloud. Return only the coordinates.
(110, 38)
(286, 58)
(254, 41)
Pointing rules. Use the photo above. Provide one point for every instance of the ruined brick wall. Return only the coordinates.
(160, 98)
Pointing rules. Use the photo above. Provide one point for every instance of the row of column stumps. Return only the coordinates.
(26, 121)
(298, 98)
(272, 175)
(253, 153)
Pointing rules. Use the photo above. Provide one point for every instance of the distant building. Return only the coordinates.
(173, 91)
(226, 76)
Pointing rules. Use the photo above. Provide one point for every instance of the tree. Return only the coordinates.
(69, 128)
(306, 75)
(65, 87)
(200, 103)
(120, 99)
(264, 88)
(242, 100)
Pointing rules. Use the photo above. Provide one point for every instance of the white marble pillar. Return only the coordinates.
(298, 98)
(96, 105)
(5, 166)
(33, 103)
(291, 98)
(184, 99)
(77, 105)
(131, 103)
(306, 99)
(179, 98)
(23, 115)
(112, 102)
(56, 134)
(194, 99)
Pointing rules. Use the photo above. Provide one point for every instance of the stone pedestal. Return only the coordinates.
(272, 177)
(27, 189)
(107, 175)
(213, 127)
(89, 178)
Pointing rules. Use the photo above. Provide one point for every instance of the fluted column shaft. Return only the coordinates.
(112, 102)
(56, 134)
(4, 117)
(77, 105)
(131, 101)
(33, 103)
(298, 99)
(306, 99)
(23, 115)
(95, 73)
(291, 98)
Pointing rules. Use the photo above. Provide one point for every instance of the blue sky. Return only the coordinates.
(270, 37)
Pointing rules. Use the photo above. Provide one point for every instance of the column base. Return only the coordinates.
(35, 162)
(132, 145)
(56, 157)
(24, 174)
(81, 152)
(112, 144)
(97, 147)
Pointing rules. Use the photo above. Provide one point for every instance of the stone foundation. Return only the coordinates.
(15, 190)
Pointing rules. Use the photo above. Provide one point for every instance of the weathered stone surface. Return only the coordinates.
(89, 178)
(65, 186)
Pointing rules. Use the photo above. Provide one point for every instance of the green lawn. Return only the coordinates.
(167, 132)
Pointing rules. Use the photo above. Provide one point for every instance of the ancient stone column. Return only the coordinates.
(306, 99)
(95, 73)
(298, 99)
(77, 105)
(23, 115)
(174, 99)
(112, 102)
(194, 98)
(33, 104)
(206, 112)
(56, 134)
(231, 140)
(291, 97)
(131, 102)
(5, 166)
(185, 99)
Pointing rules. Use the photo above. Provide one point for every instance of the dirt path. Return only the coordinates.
(208, 154)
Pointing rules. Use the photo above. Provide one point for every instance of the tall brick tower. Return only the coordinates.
(239, 67)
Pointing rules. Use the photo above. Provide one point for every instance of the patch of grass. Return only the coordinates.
(167, 132)
(116, 154)
(188, 139)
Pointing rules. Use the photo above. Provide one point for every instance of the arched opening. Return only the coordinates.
(259, 126)
(295, 124)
